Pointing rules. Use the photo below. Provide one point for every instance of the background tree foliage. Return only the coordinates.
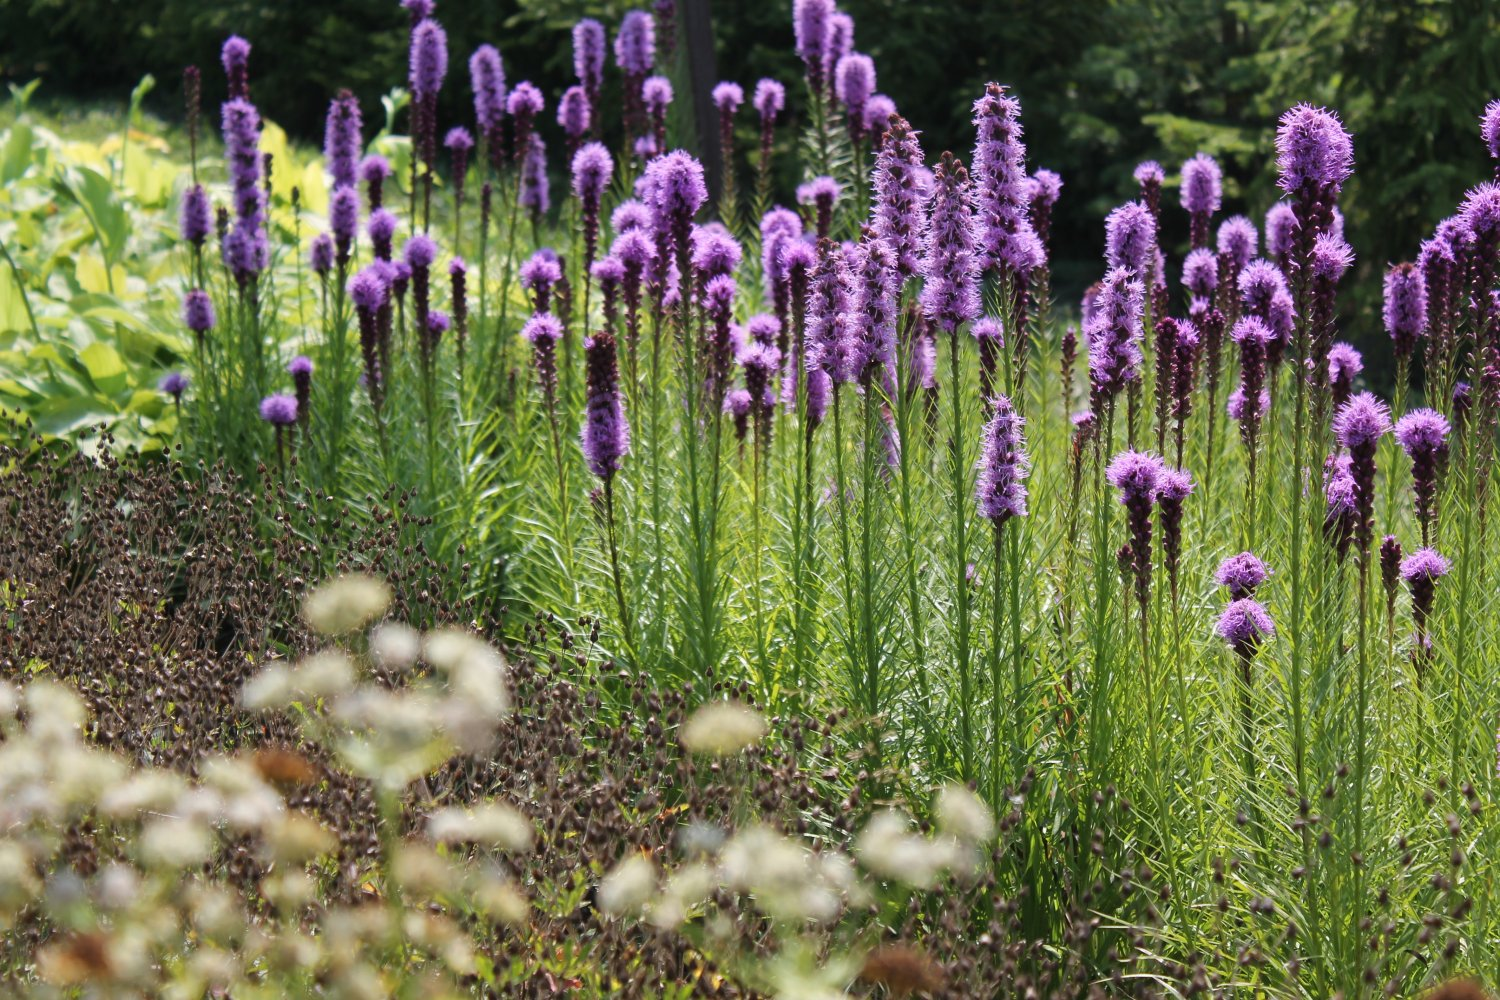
(1104, 84)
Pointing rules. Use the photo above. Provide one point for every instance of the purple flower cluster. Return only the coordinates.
(900, 198)
(1000, 490)
(1405, 308)
(1130, 238)
(1007, 243)
(1202, 194)
(950, 294)
(605, 437)
(1241, 574)
(1244, 625)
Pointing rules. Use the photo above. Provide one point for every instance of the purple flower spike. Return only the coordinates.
(1422, 570)
(810, 25)
(1007, 243)
(1405, 310)
(429, 58)
(1361, 422)
(342, 139)
(195, 221)
(535, 189)
(1149, 175)
(1358, 427)
(487, 80)
(1314, 152)
(1202, 194)
(1281, 230)
(1137, 476)
(675, 191)
(198, 311)
(574, 114)
(1344, 366)
(343, 219)
(950, 295)
(605, 437)
(1130, 238)
(770, 98)
(728, 97)
(235, 55)
(1244, 625)
(822, 193)
(854, 83)
(279, 410)
(635, 45)
(544, 331)
(1237, 242)
(588, 56)
(900, 201)
(1000, 490)
(1423, 435)
(174, 384)
(1113, 332)
(1242, 574)
(1200, 272)
(320, 254)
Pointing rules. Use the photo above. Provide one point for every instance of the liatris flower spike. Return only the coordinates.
(1405, 310)
(1006, 241)
(1130, 238)
(301, 370)
(592, 169)
(1422, 570)
(195, 222)
(588, 57)
(1390, 571)
(1423, 435)
(1245, 625)
(174, 384)
(279, 410)
(320, 255)
(900, 202)
(1149, 175)
(605, 437)
(1358, 427)
(1241, 574)
(198, 312)
(1137, 476)
(1344, 366)
(1173, 486)
(822, 193)
(1000, 489)
(854, 83)
(342, 140)
(1202, 193)
(950, 294)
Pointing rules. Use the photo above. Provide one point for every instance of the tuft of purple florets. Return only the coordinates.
(605, 437)
(1405, 307)
(487, 79)
(1200, 272)
(635, 44)
(1202, 185)
(810, 27)
(235, 57)
(1113, 333)
(950, 294)
(1424, 565)
(588, 56)
(429, 59)
(770, 99)
(1007, 243)
(1281, 229)
(1242, 574)
(574, 114)
(1000, 490)
(900, 200)
(279, 410)
(728, 96)
(1344, 366)
(535, 189)
(174, 384)
(196, 219)
(1361, 422)
(1237, 242)
(1245, 625)
(342, 139)
(1314, 152)
(320, 254)
(674, 190)
(198, 311)
(1130, 238)
(1423, 435)
(854, 83)
(1489, 129)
